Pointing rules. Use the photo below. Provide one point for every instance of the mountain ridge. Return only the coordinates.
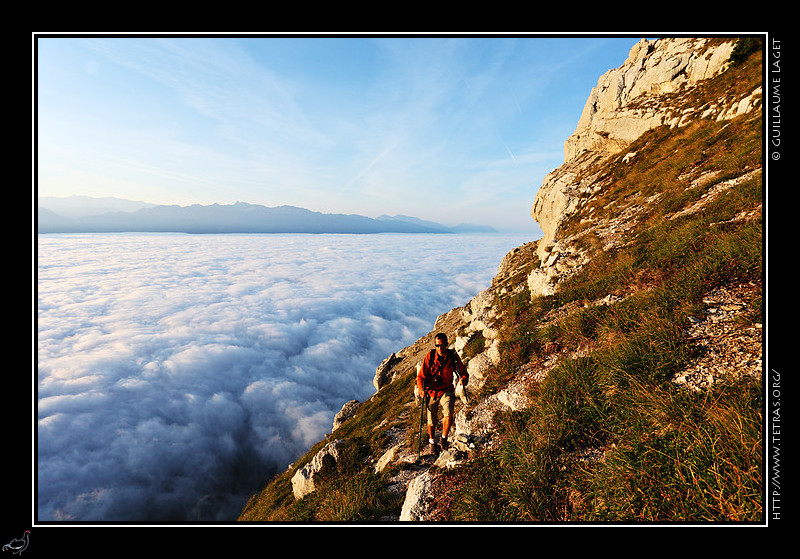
(240, 217)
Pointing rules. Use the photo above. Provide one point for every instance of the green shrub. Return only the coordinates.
(743, 48)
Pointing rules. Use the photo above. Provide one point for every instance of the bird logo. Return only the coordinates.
(18, 545)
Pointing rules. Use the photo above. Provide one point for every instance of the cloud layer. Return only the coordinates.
(177, 372)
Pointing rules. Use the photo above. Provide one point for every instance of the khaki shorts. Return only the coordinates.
(447, 401)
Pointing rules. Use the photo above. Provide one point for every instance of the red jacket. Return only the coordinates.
(436, 373)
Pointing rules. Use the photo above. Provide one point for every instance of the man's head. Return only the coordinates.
(441, 343)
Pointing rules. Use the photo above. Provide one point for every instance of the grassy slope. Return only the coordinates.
(669, 454)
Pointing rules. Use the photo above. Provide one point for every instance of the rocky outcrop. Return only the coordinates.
(304, 480)
(651, 89)
(417, 497)
(348, 410)
(632, 99)
(383, 374)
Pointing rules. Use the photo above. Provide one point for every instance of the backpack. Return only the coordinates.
(449, 356)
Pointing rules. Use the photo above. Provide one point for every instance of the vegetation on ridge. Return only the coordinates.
(608, 437)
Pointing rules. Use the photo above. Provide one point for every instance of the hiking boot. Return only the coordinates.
(433, 447)
(445, 444)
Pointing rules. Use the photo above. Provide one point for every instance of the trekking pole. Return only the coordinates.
(423, 404)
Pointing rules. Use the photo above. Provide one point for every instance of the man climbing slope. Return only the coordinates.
(436, 378)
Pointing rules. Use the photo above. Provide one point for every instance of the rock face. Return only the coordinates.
(650, 89)
(627, 100)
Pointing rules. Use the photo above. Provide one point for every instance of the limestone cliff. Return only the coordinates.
(652, 88)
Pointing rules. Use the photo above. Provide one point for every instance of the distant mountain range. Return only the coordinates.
(81, 214)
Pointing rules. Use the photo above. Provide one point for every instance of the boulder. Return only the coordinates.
(383, 374)
(305, 479)
(387, 458)
(417, 497)
(348, 410)
(477, 369)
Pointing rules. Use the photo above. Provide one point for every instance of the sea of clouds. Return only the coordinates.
(177, 373)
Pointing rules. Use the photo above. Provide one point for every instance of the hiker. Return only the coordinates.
(436, 378)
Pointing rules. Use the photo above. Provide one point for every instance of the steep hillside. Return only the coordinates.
(615, 364)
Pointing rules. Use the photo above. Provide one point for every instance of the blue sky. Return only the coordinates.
(445, 128)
